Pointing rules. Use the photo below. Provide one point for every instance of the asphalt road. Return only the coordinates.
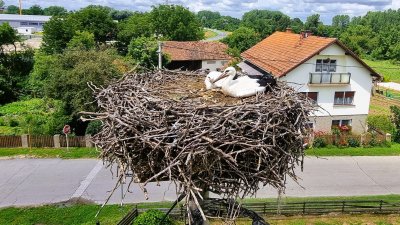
(40, 181)
(220, 35)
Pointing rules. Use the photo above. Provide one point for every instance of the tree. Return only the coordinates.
(312, 23)
(14, 71)
(242, 39)
(144, 51)
(57, 32)
(8, 36)
(297, 25)
(396, 120)
(96, 20)
(35, 10)
(208, 18)
(266, 22)
(137, 25)
(12, 9)
(339, 24)
(176, 23)
(120, 15)
(226, 23)
(1, 3)
(55, 11)
(359, 39)
(70, 72)
(82, 40)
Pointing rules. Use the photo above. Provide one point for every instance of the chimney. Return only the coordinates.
(305, 34)
(289, 30)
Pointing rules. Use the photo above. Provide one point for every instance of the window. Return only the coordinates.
(311, 95)
(24, 23)
(210, 62)
(325, 65)
(310, 126)
(344, 98)
(33, 23)
(344, 124)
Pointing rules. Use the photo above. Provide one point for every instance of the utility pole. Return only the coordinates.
(159, 55)
(20, 7)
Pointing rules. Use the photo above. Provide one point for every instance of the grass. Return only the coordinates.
(72, 153)
(111, 214)
(390, 71)
(209, 34)
(393, 150)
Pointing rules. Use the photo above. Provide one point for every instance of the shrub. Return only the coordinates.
(319, 142)
(381, 122)
(152, 217)
(353, 142)
(93, 127)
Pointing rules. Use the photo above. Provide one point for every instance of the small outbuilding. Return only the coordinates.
(17, 21)
(194, 55)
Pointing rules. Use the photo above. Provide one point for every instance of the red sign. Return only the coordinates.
(67, 129)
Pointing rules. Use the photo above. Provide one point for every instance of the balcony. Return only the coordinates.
(329, 78)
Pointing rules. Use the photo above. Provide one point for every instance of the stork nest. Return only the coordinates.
(165, 126)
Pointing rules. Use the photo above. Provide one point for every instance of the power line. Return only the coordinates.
(278, 60)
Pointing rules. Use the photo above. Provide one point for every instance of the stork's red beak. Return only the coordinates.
(223, 75)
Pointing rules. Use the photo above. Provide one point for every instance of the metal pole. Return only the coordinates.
(20, 7)
(159, 55)
(122, 193)
(66, 138)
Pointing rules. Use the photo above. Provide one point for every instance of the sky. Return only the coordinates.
(294, 8)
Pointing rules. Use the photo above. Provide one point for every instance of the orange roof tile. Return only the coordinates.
(195, 50)
(282, 52)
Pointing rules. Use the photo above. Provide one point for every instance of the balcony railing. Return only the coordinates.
(329, 78)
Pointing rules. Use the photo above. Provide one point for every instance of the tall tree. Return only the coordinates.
(57, 32)
(1, 3)
(35, 10)
(137, 25)
(266, 22)
(8, 36)
(176, 23)
(143, 50)
(208, 18)
(227, 23)
(242, 39)
(297, 25)
(55, 11)
(312, 23)
(12, 9)
(96, 20)
(120, 14)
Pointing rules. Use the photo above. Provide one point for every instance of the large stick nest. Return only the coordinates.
(165, 126)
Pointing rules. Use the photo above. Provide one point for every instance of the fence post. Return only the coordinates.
(343, 204)
(304, 207)
(57, 143)
(265, 208)
(24, 141)
(380, 206)
(88, 141)
(362, 139)
(388, 137)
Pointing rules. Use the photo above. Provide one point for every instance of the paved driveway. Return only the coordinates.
(41, 181)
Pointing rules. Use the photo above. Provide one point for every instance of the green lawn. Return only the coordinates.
(390, 71)
(111, 214)
(393, 150)
(209, 34)
(72, 153)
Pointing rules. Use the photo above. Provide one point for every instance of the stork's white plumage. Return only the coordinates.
(211, 77)
(243, 86)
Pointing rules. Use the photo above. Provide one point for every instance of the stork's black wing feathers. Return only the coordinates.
(267, 80)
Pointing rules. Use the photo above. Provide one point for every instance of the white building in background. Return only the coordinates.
(33, 22)
(321, 68)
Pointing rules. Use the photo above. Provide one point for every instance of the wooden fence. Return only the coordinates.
(300, 208)
(44, 141)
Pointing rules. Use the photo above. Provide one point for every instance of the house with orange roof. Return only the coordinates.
(194, 55)
(324, 69)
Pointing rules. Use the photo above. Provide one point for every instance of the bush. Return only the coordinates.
(152, 217)
(319, 142)
(352, 142)
(93, 127)
(381, 122)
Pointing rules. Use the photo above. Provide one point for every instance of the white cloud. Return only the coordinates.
(294, 8)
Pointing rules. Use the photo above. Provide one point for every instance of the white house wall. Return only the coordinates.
(360, 83)
(213, 64)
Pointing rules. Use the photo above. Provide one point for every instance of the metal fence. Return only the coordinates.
(301, 208)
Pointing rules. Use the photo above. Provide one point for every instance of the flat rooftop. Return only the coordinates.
(15, 17)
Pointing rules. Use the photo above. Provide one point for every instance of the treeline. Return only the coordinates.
(78, 47)
(375, 35)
